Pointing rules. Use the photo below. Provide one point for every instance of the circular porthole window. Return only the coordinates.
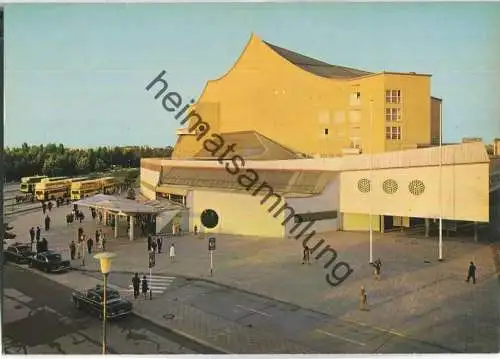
(416, 187)
(364, 185)
(390, 186)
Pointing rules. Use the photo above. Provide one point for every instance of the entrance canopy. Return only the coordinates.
(120, 205)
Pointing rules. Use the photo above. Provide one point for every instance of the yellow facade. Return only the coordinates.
(238, 214)
(359, 222)
(308, 113)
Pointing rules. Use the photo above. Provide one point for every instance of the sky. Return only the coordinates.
(76, 73)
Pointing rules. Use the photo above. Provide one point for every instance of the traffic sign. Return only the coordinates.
(211, 243)
(151, 259)
(209, 218)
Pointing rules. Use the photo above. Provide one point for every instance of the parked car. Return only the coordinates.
(91, 301)
(19, 253)
(50, 261)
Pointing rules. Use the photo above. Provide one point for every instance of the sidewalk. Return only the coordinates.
(417, 296)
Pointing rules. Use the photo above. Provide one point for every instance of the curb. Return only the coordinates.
(21, 211)
(140, 315)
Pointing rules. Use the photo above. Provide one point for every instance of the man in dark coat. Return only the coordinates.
(471, 273)
(32, 235)
(44, 245)
(136, 283)
(50, 206)
(160, 243)
(47, 222)
(44, 207)
(150, 242)
(38, 230)
(145, 287)
(90, 244)
(72, 249)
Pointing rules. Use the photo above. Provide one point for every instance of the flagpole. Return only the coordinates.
(441, 181)
(371, 184)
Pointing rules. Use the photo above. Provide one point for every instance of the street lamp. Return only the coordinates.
(371, 182)
(105, 262)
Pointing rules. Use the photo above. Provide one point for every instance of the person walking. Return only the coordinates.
(136, 283)
(159, 241)
(195, 230)
(44, 207)
(145, 287)
(49, 206)
(90, 244)
(97, 238)
(377, 265)
(72, 250)
(150, 242)
(363, 300)
(32, 235)
(172, 252)
(47, 222)
(103, 243)
(306, 257)
(38, 230)
(154, 245)
(471, 273)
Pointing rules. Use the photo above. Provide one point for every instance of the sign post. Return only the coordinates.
(151, 265)
(210, 219)
(211, 249)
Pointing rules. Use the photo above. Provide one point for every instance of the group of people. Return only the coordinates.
(156, 244)
(137, 284)
(39, 245)
(77, 250)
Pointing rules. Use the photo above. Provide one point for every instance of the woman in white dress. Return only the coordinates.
(172, 252)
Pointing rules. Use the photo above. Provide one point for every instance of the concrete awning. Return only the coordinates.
(117, 204)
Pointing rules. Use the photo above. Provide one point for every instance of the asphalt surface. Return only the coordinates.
(38, 317)
(315, 330)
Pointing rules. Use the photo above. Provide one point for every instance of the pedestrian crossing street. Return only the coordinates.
(158, 284)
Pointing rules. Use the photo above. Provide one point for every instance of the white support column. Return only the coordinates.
(131, 231)
(116, 226)
(427, 227)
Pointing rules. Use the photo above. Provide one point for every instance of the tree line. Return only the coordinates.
(58, 160)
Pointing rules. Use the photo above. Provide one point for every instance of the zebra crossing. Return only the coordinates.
(158, 284)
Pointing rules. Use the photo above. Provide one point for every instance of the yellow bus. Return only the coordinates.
(28, 183)
(55, 187)
(88, 188)
(108, 185)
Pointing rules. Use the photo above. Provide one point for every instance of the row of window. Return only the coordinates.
(391, 97)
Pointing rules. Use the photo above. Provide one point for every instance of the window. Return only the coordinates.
(392, 114)
(326, 131)
(355, 98)
(393, 133)
(393, 96)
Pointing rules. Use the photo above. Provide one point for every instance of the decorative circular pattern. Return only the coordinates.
(390, 186)
(416, 187)
(364, 185)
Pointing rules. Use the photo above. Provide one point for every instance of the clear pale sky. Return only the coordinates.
(76, 73)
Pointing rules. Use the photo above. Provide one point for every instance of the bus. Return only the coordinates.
(28, 183)
(91, 187)
(55, 187)
(109, 185)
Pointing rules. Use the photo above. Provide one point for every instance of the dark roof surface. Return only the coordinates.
(317, 67)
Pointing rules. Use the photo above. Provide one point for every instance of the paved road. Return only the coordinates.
(38, 318)
(318, 331)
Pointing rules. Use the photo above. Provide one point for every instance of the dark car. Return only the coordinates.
(50, 261)
(18, 253)
(91, 301)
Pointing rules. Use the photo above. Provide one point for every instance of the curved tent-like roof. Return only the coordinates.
(117, 204)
